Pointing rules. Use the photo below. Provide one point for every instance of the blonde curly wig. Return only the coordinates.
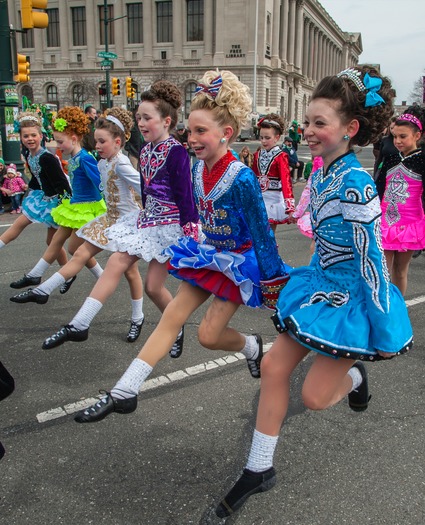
(232, 105)
(76, 120)
(123, 116)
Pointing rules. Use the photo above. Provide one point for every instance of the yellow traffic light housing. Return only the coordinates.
(23, 69)
(129, 87)
(116, 87)
(31, 18)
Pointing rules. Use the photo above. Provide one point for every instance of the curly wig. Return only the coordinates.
(77, 121)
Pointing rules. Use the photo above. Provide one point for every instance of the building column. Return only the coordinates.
(299, 33)
(291, 32)
(219, 48)
(38, 49)
(148, 25)
(306, 47)
(315, 53)
(310, 50)
(64, 16)
(119, 31)
(91, 16)
(275, 34)
(284, 14)
(208, 30)
(178, 28)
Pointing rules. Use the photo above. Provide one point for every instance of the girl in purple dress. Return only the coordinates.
(168, 213)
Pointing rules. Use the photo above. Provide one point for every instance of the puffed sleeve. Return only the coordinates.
(178, 163)
(285, 178)
(125, 171)
(91, 169)
(249, 200)
(385, 306)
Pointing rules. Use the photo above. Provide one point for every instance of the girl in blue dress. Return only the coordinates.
(342, 306)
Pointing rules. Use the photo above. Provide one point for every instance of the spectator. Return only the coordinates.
(134, 143)
(246, 157)
(88, 142)
(14, 187)
(296, 165)
(294, 135)
(2, 176)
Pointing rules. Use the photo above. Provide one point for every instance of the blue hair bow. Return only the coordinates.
(212, 89)
(372, 85)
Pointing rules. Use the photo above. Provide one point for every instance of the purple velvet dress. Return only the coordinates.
(168, 203)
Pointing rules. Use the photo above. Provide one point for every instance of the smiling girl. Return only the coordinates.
(48, 183)
(401, 182)
(86, 201)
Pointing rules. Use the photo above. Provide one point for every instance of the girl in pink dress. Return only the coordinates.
(401, 187)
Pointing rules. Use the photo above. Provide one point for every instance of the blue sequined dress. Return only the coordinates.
(343, 304)
(239, 248)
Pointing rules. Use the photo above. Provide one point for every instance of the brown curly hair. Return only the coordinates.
(123, 116)
(232, 105)
(272, 121)
(372, 120)
(77, 121)
(167, 98)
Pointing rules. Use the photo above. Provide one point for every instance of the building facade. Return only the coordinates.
(282, 46)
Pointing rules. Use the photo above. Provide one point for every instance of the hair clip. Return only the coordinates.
(355, 76)
(212, 89)
(60, 124)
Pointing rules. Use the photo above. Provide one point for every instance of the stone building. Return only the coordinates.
(297, 43)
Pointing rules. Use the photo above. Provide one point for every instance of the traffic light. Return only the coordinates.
(116, 87)
(23, 69)
(31, 18)
(129, 89)
(102, 91)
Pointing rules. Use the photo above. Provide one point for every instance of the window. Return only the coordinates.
(28, 38)
(164, 21)
(28, 92)
(52, 30)
(189, 93)
(78, 95)
(52, 93)
(110, 16)
(79, 33)
(103, 99)
(135, 23)
(195, 20)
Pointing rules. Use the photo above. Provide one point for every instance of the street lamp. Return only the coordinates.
(254, 97)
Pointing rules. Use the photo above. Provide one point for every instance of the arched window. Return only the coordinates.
(78, 95)
(28, 92)
(52, 94)
(189, 92)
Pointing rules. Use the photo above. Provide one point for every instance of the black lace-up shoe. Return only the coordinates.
(134, 331)
(358, 400)
(106, 406)
(67, 285)
(177, 348)
(255, 364)
(66, 333)
(30, 297)
(26, 281)
(248, 484)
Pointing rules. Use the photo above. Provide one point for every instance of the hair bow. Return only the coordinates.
(60, 124)
(212, 89)
(372, 85)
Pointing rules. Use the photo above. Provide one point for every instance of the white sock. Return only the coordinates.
(356, 377)
(51, 284)
(86, 313)
(2, 244)
(250, 350)
(97, 270)
(129, 384)
(137, 314)
(39, 268)
(262, 450)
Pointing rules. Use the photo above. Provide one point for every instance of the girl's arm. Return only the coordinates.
(285, 177)
(304, 201)
(124, 169)
(52, 177)
(91, 169)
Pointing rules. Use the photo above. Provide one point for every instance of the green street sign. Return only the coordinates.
(107, 55)
(106, 63)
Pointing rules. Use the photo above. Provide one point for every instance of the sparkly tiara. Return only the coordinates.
(408, 117)
(29, 117)
(113, 119)
(269, 122)
(355, 76)
(369, 84)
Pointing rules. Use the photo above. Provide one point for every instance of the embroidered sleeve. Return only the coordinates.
(125, 171)
(285, 177)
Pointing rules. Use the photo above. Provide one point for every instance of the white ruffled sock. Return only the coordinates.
(51, 284)
(251, 348)
(39, 268)
(137, 314)
(262, 451)
(97, 270)
(356, 377)
(86, 313)
(131, 381)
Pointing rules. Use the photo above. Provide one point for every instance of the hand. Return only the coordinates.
(291, 219)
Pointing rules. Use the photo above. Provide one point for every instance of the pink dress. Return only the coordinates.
(403, 217)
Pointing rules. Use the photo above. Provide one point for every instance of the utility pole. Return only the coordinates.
(9, 102)
(107, 71)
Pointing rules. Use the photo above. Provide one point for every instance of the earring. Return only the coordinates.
(346, 137)
(222, 140)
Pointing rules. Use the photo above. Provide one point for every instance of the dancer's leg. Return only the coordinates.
(155, 279)
(15, 230)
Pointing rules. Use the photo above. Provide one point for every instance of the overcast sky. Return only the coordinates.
(393, 35)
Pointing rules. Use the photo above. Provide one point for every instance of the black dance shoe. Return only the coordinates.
(358, 400)
(30, 297)
(177, 348)
(254, 365)
(134, 331)
(248, 484)
(66, 285)
(106, 406)
(66, 333)
(26, 281)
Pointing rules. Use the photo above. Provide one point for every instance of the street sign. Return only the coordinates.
(106, 63)
(107, 55)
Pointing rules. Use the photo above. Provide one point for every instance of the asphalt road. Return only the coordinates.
(171, 461)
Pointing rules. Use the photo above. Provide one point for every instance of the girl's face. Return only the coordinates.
(244, 152)
(205, 137)
(269, 137)
(68, 144)
(152, 126)
(31, 137)
(106, 144)
(324, 130)
(405, 139)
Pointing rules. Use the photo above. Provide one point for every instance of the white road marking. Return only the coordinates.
(172, 377)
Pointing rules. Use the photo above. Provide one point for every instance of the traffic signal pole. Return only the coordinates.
(9, 102)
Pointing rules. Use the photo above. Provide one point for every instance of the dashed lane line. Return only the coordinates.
(167, 379)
